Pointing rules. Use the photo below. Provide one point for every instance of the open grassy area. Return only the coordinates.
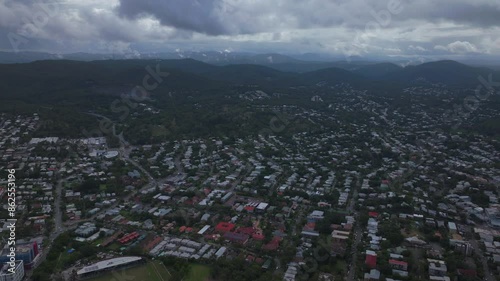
(98, 241)
(152, 271)
(198, 272)
(114, 246)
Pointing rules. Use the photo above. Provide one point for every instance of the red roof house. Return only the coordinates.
(249, 208)
(224, 227)
(273, 244)
(371, 261)
(246, 230)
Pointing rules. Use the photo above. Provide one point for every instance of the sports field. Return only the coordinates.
(198, 272)
(152, 271)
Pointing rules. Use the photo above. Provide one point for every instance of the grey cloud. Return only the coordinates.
(476, 13)
(301, 25)
(219, 17)
(231, 17)
(199, 16)
(458, 47)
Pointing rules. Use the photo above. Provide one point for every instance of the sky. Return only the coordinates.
(418, 29)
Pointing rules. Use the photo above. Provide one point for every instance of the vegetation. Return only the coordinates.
(58, 257)
(152, 271)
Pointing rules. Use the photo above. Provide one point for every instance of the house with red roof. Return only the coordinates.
(249, 208)
(310, 226)
(273, 245)
(371, 259)
(224, 227)
(151, 244)
(250, 258)
(258, 236)
(246, 230)
(128, 238)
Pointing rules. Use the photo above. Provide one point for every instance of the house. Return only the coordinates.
(220, 252)
(205, 217)
(262, 207)
(401, 273)
(415, 240)
(340, 236)
(246, 230)
(439, 278)
(134, 174)
(273, 244)
(203, 230)
(371, 259)
(309, 233)
(239, 238)
(224, 227)
(316, 215)
(452, 227)
(399, 265)
(374, 275)
(437, 267)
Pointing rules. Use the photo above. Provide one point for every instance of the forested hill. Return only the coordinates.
(48, 80)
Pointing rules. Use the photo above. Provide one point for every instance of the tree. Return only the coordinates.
(88, 186)
(392, 231)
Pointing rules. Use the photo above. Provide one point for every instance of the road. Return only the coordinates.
(60, 227)
(358, 233)
(124, 155)
(58, 223)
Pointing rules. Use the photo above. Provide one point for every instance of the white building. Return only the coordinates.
(15, 274)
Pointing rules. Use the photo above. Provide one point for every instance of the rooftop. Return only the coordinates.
(107, 264)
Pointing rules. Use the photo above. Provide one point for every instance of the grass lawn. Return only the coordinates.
(152, 271)
(114, 246)
(98, 241)
(198, 272)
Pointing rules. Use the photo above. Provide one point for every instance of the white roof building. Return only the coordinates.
(107, 264)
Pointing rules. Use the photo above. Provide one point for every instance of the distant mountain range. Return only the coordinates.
(301, 63)
(50, 76)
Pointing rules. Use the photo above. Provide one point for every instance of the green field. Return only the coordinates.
(198, 272)
(152, 271)
(114, 246)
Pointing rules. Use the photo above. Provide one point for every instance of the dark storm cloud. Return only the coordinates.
(217, 17)
(199, 16)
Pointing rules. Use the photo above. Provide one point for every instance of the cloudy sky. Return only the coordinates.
(391, 28)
